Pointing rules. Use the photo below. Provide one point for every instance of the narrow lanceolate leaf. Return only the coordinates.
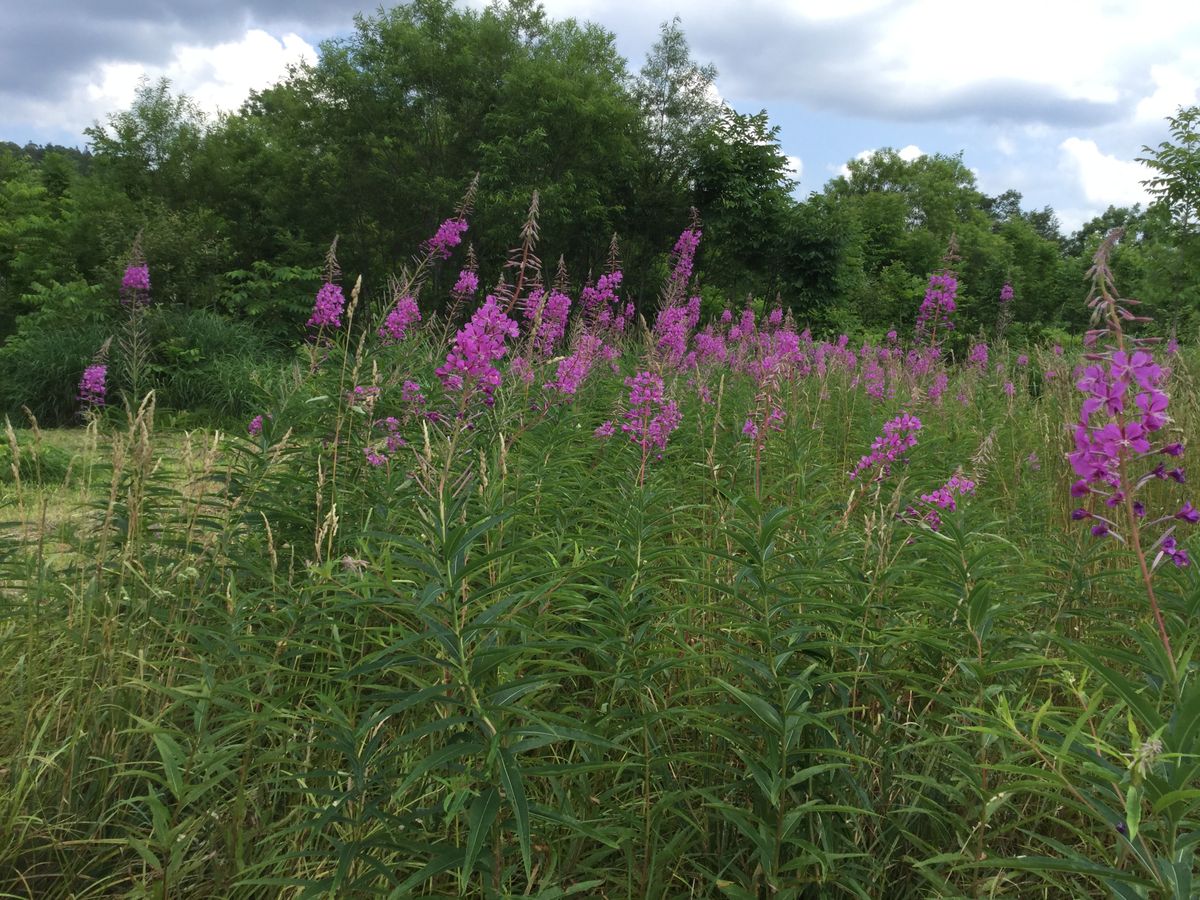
(480, 818)
(514, 791)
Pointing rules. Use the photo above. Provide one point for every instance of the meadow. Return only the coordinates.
(559, 602)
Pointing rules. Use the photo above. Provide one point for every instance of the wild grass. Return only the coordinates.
(497, 666)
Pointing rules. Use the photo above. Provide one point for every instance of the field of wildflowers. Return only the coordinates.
(557, 602)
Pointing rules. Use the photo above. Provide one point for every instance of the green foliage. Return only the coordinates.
(37, 462)
(41, 364)
(496, 666)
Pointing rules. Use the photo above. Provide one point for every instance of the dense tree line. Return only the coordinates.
(377, 140)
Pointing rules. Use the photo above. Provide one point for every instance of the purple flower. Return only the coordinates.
(402, 315)
(1139, 365)
(480, 343)
(978, 356)
(685, 253)
(412, 395)
(135, 285)
(939, 304)
(448, 236)
(256, 426)
(1188, 513)
(92, 390)
(1153, 404)
(573, 369)
(605, 431)
(327, 309)
(1170, 547)
(899, 436)
(1006, 293)
(467, 284)
(547, 313)
(650, 418)
(602, 309)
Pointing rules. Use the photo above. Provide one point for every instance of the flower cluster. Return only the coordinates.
(254, 429)
(327, 309)
(938, 306)
(135, 285)
(478, 345)
(899, 436)
(1113, 433)
(573, 370)
(1102, 447)
(944, 498)
(467, 284)
(92, 390)
(448, 236)
(1006, 293)
(404, 314)
(547, 314)
(978, 356)
(602, 307)
(650, 418)
(772, 422)
(673, 328)
(685, 256)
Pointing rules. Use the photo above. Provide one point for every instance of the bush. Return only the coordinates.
(204, 361)
(40, 463)
(41, 364)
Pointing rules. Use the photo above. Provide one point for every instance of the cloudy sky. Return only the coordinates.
(1052, 97)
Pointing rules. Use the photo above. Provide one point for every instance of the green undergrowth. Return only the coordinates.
(497, 666)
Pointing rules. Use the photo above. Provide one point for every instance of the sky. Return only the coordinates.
(1053, 98)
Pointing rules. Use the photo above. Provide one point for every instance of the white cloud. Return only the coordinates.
(1174, 86)
(1103, 179)
(795, 167)
(222, 76)
(217, 77)
(911, 152)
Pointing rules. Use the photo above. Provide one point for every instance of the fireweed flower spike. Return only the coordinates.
(92, 389)
(330, 301)
(135, 285)
(650, 418)
(1124, 406)
(899, 436)
(448, 236)
(944, 498)
(469, 364)
(327, 308)
(404, 314)
(467, 284)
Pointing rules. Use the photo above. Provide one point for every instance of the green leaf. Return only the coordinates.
(514, 789)
(480, 818)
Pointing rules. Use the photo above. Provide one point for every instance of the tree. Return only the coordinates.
(1172, 283)
(676, 97)
(741, 187)
(1177, 164)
